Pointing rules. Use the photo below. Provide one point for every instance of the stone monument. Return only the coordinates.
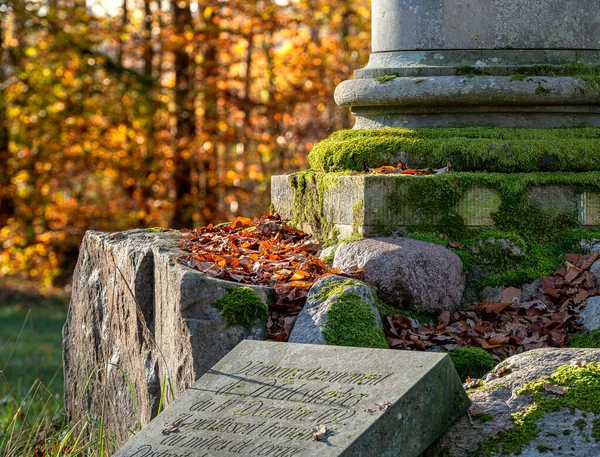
(283, 400)
(478, 62)
(505, 94)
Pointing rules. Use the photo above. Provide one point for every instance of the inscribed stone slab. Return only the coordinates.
(264, 398)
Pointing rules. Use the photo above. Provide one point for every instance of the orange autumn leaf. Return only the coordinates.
(409, 172)
(241, 222)
(300, 274)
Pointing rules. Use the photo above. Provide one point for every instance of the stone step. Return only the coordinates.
(465, 148)
(372, 204)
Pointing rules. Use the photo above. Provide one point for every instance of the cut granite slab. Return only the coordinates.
(266, 398)
(381, 205)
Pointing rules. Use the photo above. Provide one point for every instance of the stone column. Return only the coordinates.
(504, 63)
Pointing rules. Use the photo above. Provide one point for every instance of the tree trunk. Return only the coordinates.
(210, 75)
(122, 31)
(148, 53)
(186, 120)
(7, 206)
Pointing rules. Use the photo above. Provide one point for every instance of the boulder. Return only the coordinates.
(554, 393)
(140, 324)
(339, 311)
(595, 268)
(590, 316)
(407, 273)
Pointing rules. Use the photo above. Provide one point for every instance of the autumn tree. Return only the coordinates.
(164, 113)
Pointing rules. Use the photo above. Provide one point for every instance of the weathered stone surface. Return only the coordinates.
(136, 322)
(435, 47)
(590, 316)
(312, 320)
(592, 245)
(376, 205)
(265, 398)
(595, 268)
(413, 274)
(485, 24)
(562, 433)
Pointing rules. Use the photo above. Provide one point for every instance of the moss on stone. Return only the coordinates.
(585, 340)
(385, 78)
(466, 148)
(242, 306)
(482, 417)
(471, 72)
(471, 362)
(350, 320)
(309, 190)
(588, 73)
(541, 90)
(582, 393)
(500, 249)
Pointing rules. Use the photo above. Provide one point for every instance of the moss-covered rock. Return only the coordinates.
(546, 398)
(471, 362)
(465, 148)
(340, 311)
(242, 306)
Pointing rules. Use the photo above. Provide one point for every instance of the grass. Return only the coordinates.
(30, 349)
(31, 378)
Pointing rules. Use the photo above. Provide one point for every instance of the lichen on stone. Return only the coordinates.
(242, 306)
(581, 391)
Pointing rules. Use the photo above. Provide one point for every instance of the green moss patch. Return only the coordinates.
(532, 231)
(541, 258)
(386, 78)
(350, 320)
(242, 306)
(471, 362)
(589, 73)
(466, 148)
(585, 340)
(309, 191)
(582, 392)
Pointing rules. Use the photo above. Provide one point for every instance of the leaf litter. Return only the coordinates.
(265, 251)
(268, 251)
(511, 326)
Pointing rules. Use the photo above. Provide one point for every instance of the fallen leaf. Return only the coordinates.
(319, 432)
(496, 307)
(558, 390)
(509, 294)
(298, 275)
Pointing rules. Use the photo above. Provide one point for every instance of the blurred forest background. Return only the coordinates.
(117, 114)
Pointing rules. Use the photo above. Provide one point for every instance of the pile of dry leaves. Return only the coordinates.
(263, 251)
(401, 169)
(510, 326)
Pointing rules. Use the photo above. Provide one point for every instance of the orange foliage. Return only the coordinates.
(160, 119)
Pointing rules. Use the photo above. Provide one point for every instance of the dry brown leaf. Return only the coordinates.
(319, 432)
(510, 293)
(496, 307)
(558, 390)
